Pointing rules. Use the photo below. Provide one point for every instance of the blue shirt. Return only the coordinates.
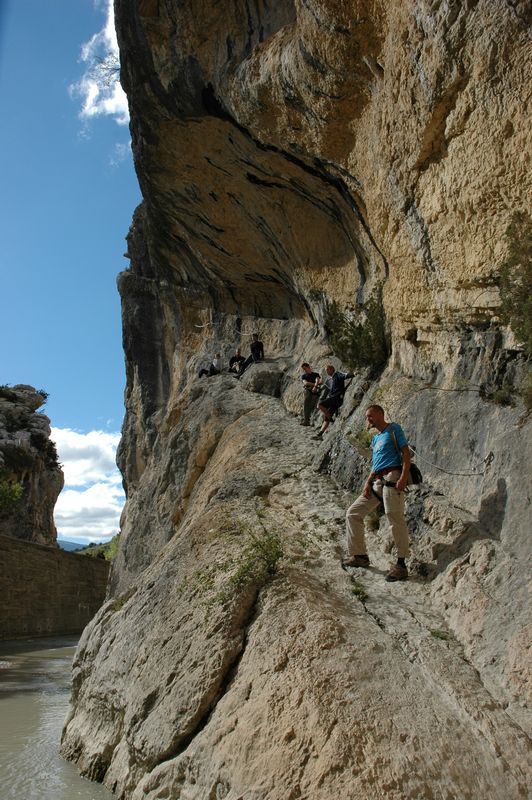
(385, 452)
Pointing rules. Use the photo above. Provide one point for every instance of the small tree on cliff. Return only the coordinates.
(516, 280)
(10, 493)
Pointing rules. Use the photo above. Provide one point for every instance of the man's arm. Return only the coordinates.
(311, 384)
(403, 480)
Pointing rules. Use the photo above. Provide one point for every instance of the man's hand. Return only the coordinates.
(401, 483)
(367, 489)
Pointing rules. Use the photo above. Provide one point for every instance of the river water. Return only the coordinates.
(34, 695)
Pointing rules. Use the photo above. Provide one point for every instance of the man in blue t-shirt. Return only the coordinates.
(386, 483)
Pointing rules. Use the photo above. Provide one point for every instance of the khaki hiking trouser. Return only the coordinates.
(394, 508)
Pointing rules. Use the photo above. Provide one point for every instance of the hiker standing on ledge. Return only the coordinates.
(329, 406)
(386, 483)
(311, 383)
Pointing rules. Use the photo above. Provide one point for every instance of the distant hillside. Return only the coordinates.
(64, 544)
(108, 550)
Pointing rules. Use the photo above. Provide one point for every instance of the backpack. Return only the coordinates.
(414, 475)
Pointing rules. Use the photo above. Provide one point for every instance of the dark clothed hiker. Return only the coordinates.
(215, 367)
(257, 353)
(386, 483)
(235, 362)
(335, 385)
(311, 386)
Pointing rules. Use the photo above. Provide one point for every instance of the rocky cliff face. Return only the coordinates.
(28, 459)
(338, 176)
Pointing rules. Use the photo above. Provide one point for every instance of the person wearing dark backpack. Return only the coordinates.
(335, 391)
(386, 483)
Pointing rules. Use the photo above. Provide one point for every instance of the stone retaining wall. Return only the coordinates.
(46, 591)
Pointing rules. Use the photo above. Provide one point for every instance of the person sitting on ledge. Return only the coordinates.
(215, 367)
(236, 361)
(335, 385)
(257, 353)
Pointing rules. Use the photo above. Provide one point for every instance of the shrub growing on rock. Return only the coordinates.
(516, 280)
(358, 336)
(10, 493)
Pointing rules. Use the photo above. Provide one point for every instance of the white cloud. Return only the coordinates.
(89, 506)
(86, 457)
(120, 153)
(99, 88)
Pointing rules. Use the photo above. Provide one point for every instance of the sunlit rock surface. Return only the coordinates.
(298, 159)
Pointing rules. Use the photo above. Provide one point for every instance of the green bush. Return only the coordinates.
(439, 634)
(52, 459)
(361, 441)
(358, 590)
(107, 550)
(526, 390)
(516, 280)
(503, 395)
(358, 336)
(256, 561)
(255, 564)
(10, 493)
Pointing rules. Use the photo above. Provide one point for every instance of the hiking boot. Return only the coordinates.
(356, 561)
(397, 573)
(318, 437)
(304, 424)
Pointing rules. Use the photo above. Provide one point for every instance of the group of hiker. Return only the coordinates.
(238, 364)
(390, 465)
(334, 389)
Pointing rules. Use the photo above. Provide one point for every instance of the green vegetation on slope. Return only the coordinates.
(516, 280)
(358, 336)
(107, 550)
(10, 492)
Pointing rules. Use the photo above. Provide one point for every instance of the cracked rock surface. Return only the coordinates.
(306, 687)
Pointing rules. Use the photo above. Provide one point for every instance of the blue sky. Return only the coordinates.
(68, 193)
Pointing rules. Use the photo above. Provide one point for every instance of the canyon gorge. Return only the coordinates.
(347, 178)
